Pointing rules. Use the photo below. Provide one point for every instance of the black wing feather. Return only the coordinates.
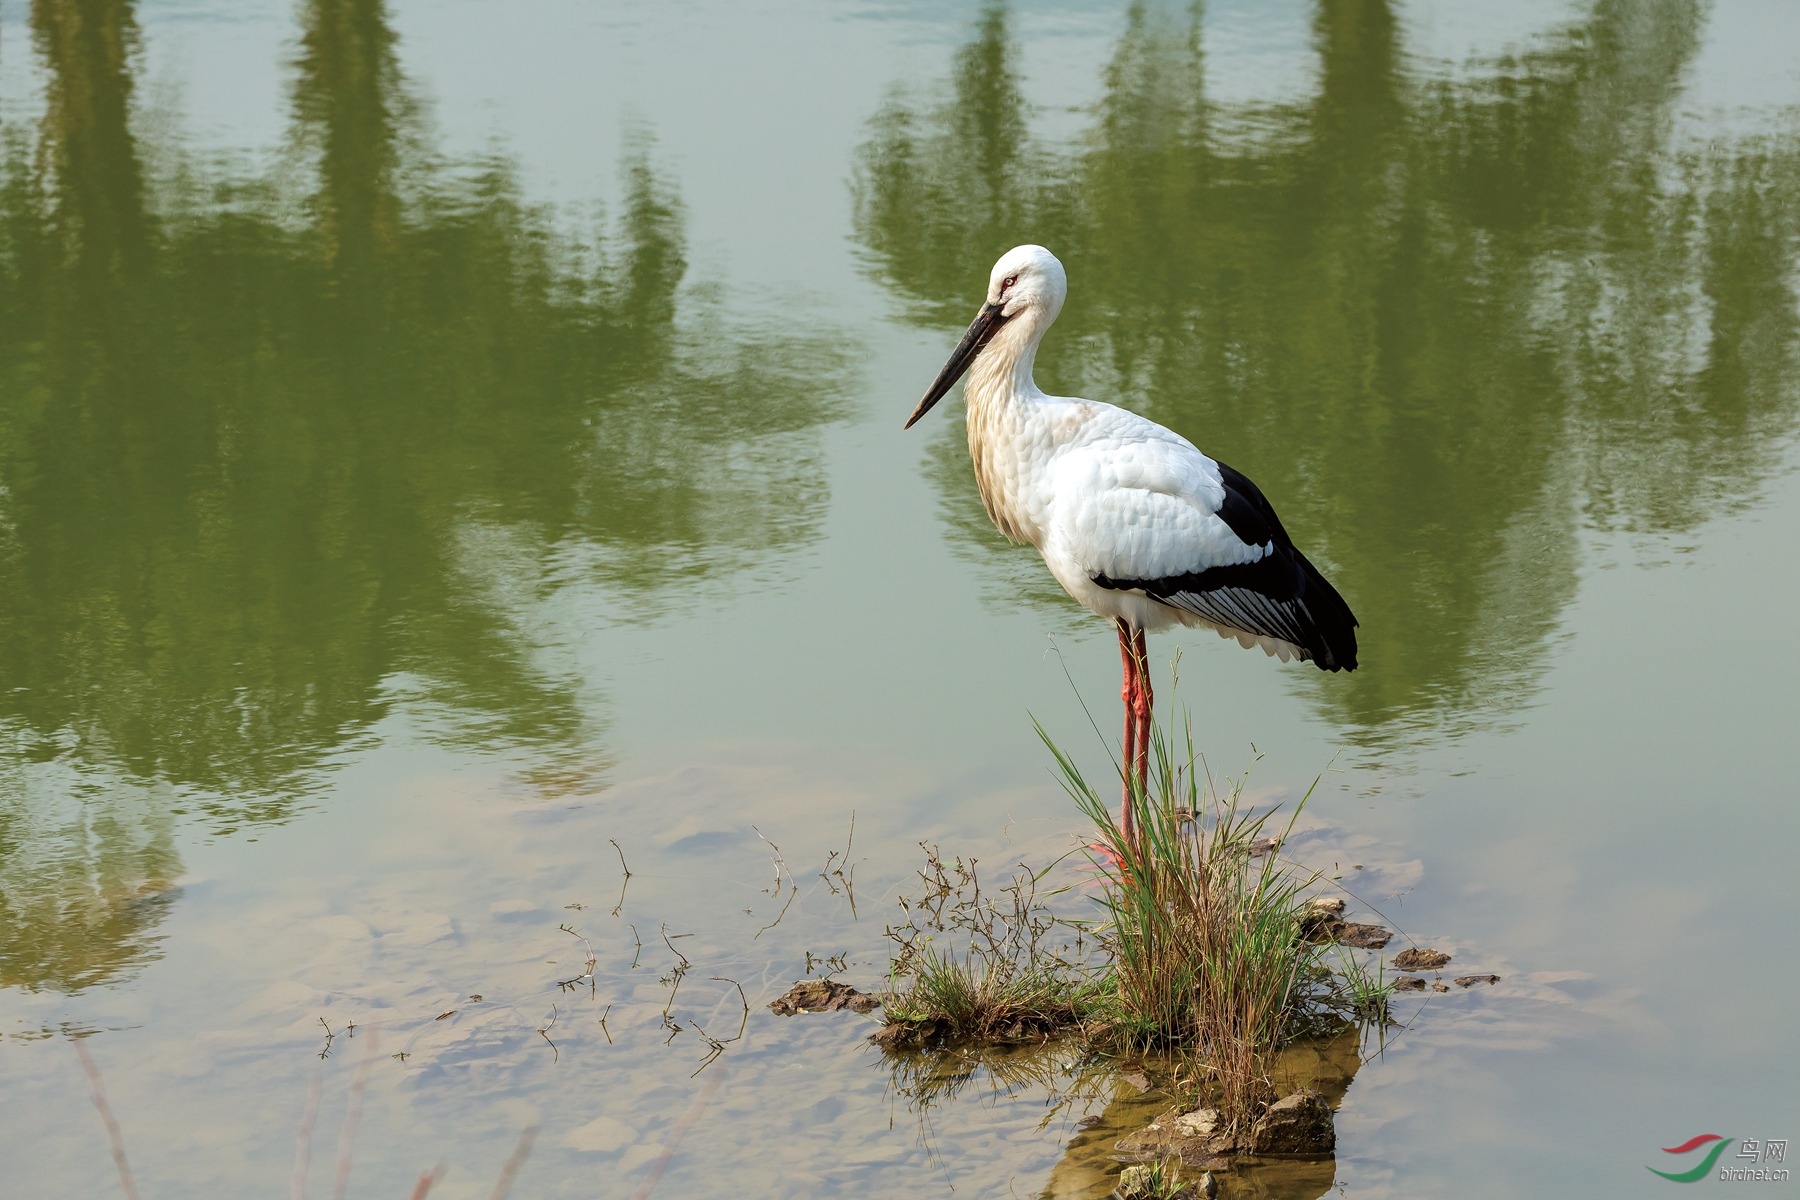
(1281, 595)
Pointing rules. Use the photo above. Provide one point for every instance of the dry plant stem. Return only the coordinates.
(303, 1138)
(619, 907)
(587, 971)
(981, 965)
(515, 1162)
(774, 856)
(555, 1054)
(838, 866)
(353, 1116)
(675, 1135)
(792, 892)
(113, 1137)
(676, 973)
(716, 1047)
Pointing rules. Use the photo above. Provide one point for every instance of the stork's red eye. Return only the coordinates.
(1008, 282)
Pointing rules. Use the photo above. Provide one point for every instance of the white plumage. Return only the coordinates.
(1131, 518)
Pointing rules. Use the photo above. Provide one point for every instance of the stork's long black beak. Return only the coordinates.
(982, 329)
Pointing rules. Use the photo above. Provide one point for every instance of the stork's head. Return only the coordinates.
(1028, 277)
(1025, 290)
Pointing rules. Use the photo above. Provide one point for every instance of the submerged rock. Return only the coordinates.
(1298, 1126)
(1198, 1138)
(1202, 1122)
(823, 995)
(1464, 981)
(1419, 959)
(912, 1035)
(1362, 937)
(1136, 1079)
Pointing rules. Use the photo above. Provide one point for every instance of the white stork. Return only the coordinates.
(1131, 518)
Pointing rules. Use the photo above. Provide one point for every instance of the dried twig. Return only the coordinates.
(793, 890)
(715, 1047)
(113, 1136)
(773, 889)
(555, 1054)
(587, 972)
(619, 907)
(676, 973)
(841, 859)
(742, 999)
(325, 1050)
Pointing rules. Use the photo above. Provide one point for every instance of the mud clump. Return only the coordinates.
(1298, 1126)
(913, 1035)
(1465, 981)
(1418, 959)
(822, 995)
(1199, 1138)
(1322, 924)
(1409, 983)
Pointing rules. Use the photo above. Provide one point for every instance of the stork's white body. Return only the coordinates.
(1099, 490)
(1131, 518)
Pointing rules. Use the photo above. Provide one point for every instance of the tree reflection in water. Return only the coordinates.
(1450, 320)
(281, 450)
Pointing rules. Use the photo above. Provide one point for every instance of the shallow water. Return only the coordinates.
(442, 441)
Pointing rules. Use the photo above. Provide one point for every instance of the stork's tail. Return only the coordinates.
(1330, 627)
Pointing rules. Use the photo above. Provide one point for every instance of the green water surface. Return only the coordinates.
(443, 441)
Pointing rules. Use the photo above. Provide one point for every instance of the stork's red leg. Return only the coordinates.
(1142, 702)
(1128, 693)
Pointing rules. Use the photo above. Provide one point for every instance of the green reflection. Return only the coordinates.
(1447, 320)
(281, 450)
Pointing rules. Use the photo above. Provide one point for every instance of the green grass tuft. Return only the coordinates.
(992, 967)
(1201, 947)
(1161, 1180)
(1203, 931)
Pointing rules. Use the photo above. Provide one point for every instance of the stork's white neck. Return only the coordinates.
(1002, 372)
(1005, 440)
